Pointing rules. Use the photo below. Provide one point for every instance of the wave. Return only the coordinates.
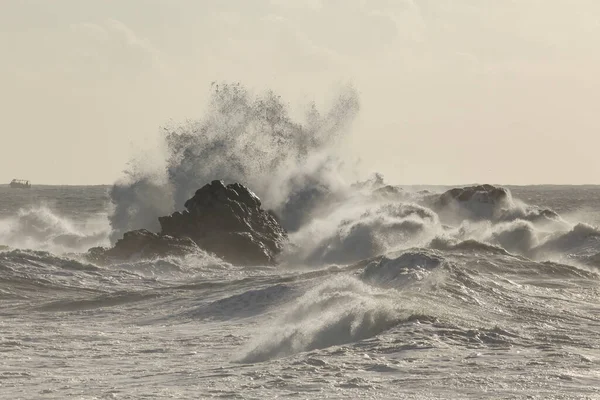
(357, 225)
(40, 228)
(102, 301)
(339, 311)
(242, 138)
(349, 224)
(293, 166)
(445, 243)
(582, 240)
(243, 305)
(374, 219)
(407, 268)
(490, 203)
(31, 273)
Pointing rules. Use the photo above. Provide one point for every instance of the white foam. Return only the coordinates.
(338, 311)
(243, 138)
(41, 228)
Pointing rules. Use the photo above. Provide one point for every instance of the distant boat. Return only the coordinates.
(20, 184)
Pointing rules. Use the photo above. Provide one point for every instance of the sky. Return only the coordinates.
(451, 91)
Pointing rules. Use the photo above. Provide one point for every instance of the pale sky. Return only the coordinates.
(452, 91)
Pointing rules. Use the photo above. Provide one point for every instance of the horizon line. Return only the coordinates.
(399, 184)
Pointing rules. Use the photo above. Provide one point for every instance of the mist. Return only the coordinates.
(243, 137)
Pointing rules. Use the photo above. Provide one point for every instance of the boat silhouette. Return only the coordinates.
(20, 184)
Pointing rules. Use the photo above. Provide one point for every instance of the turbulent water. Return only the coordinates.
(447, 312)
(382, 291)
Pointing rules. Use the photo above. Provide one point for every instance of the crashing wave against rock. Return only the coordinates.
(346, 226)
(144, 244)
(225, 220)
(488, 202)
(480, 193)
(473, 202)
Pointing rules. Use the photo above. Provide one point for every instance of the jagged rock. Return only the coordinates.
(229, 222)
(143, 244)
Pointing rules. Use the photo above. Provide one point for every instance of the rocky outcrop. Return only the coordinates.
(480, 202)
(229, 222)
(487, 202)
(145, 245)
(480, 193)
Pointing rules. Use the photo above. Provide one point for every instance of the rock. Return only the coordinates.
(480, 202)
(229, 222)
(143, 244)
(480, 193)
(493, 203)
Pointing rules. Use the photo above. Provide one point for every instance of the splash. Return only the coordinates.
(41, 228)
(243, 137)
(339, 311)
(365, 229)
(295, 167)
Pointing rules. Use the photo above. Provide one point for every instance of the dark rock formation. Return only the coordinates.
(492, 203)
(480, 193)
(480, 202)
(229, 222)
(143, 244)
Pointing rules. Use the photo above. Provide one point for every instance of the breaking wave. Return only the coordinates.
(293, 165)
(340, 310)
(41, 228)
(243, 137)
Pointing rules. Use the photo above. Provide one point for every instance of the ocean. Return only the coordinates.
(381, 298)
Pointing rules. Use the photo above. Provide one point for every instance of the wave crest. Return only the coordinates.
(40, 228)
(339, 311)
